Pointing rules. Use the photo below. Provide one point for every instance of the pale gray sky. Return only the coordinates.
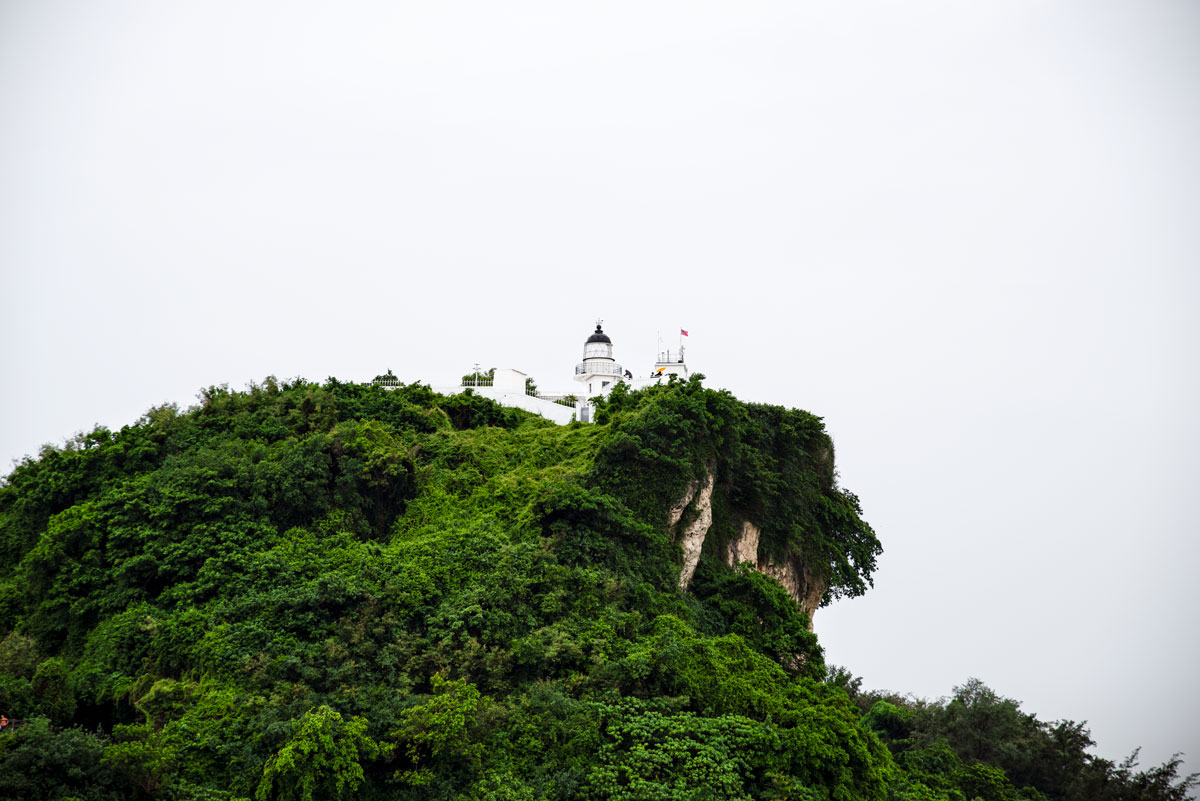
(967, 234)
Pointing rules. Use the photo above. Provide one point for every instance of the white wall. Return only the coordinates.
(509, 380)
(549, 409)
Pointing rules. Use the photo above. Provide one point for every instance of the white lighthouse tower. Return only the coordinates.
(598, 371)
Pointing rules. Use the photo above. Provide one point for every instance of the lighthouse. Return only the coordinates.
(598, 371)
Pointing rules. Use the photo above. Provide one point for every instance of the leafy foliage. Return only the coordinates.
(307, 591)
(978, 744)
(39, 761)
(320, 760)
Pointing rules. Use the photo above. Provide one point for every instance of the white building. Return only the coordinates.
(599, 370)
(595, 377)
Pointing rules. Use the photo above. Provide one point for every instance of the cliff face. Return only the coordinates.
(698, 499)
(802, 582)
(728, 482)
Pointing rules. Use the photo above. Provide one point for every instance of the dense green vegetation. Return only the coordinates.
(334, 591)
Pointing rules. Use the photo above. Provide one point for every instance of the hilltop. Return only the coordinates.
(352, 591)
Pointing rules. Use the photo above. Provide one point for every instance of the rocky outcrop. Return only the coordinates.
(692, 536)
(676, 512)
(744, 548)
(800, 582)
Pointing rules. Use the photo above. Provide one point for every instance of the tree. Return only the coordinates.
(439, 731)
(320, 760)
(143, 755)
(52, 686)
(38, 762)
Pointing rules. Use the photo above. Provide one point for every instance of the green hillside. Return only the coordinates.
(334, 591)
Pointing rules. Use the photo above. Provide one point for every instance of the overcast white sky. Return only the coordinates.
(967, 234)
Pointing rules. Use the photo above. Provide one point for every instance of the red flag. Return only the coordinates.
(682, 332)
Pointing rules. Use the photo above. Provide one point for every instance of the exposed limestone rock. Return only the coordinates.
(692, 536)
(676, 511)
(802, 584)
(814, 590)
(805, 587)
(745, 547)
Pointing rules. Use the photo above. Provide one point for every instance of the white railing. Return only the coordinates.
(670, 357)
(599, 369)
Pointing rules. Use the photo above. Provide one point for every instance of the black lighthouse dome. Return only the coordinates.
(599, 336)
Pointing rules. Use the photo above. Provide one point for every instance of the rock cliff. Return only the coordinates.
(805, 585)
